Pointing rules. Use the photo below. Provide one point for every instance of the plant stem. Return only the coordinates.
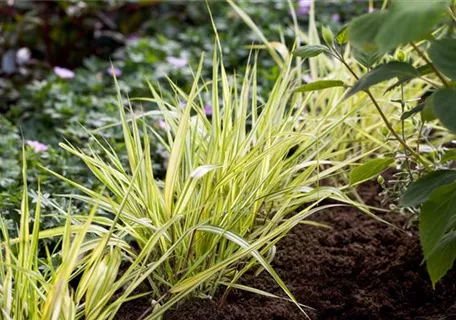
(407, 160)
(387, 123)
(437, 72)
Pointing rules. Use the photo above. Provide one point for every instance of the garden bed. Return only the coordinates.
(361, 269)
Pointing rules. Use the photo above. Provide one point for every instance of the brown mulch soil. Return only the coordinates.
(361, 269)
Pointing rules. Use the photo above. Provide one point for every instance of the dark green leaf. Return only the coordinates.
(369, 170)
(450, 155)
(409, 20)
(435, 217)
(443, 55)
(363, 30)
(428, 111)
(382, 73)
(342, 36)
(441, 260)
(411, 112)
(319, 85)
(309, 51)
(420, 190)
(445, 107)
(367, 58)
(423, 70)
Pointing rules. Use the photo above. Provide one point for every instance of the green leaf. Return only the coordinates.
(367, 58)
(420, 190)
(382, 73)
(435, 217)
(409, 20)
(342, 36)
(327, 35)
(423, 70)
(319, 85)
(309, 51)
(450, 155)
(369, 170)
(443, 53)
(445, 107)
(427, 114)
(442, 257)
(407, 114)
(362, 31)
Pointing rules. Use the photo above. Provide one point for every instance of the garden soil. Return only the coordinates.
(360, 269)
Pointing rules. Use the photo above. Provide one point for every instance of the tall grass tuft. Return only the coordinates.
(41, 283)
(237, 181)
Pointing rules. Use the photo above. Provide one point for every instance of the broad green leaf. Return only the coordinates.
(369, 170)
(449, 155)
(427, 114)
(407, 114)
(443, 53)
(309, 51)
(363, 30)
(382, 73)
(367, 58)
(409, 20)
(423, 70)
(342, 36)
(319, 85)
(435, 217)
(420, 190)
(442, 257)
(445, 107)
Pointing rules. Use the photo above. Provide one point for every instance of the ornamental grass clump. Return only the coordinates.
(35, 279)
(237, 181)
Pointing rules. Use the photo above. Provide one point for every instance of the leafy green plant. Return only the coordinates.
(422, 29)
(362, 127)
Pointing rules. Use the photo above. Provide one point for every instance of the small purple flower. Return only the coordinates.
(335, 17)
(307, 78)
(133, 36)
(37, 146)
(305, 3)
(162, 124)
(64, 73)
(114, 71)
(302, 11)
(303, 7)
(208, 109)
(177, 62)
